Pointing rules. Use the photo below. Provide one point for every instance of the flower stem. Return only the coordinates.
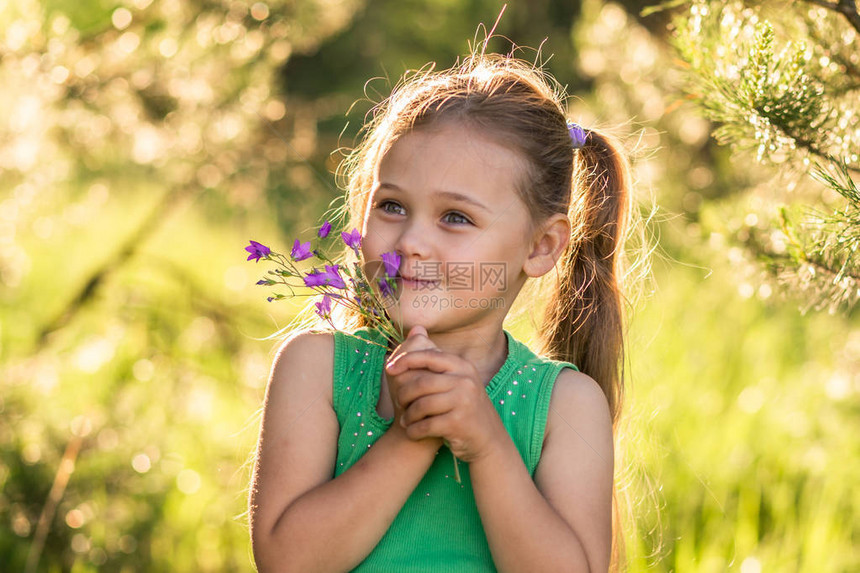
(456, 462)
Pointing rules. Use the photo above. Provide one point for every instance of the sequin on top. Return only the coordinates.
(438, 528)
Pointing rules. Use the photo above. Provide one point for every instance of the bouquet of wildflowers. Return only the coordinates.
(369, 295)
(329, 282)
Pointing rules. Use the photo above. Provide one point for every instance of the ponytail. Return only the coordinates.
(583, 318)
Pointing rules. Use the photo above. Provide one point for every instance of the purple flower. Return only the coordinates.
(324, 307)
(352, 239)
(257, 251)
(315, 278)
(392, 263)
(324, 230)
(330, 277)
(385, 288)
(334, 278)
(300, 251)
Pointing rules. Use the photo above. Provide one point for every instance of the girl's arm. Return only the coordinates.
(301, 518)
(563, 520)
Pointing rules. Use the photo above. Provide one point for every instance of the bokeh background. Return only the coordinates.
(143, 142)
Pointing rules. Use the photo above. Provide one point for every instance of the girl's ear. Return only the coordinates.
(549, 242)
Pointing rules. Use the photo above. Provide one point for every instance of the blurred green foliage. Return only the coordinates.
(147, 141)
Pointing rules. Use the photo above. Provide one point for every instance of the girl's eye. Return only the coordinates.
(390, 207)
(457, 218)
(393, 208)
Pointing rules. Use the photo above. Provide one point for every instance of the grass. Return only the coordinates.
(742, 417)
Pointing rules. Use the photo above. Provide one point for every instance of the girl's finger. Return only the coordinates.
(405, 379)
(417, 330)
(430, 427)
(417, 340)
(426, 406)
(433, 360)
(425, 383)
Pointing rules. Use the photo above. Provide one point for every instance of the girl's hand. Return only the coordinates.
(416, 340)
(439, 395)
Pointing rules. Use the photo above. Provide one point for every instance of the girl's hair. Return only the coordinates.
(521, 106)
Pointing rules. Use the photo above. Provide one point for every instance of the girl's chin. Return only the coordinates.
(408, 317)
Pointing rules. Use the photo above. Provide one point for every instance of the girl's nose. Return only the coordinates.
(414, 241)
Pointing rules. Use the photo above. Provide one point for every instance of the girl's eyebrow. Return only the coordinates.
(452, 195)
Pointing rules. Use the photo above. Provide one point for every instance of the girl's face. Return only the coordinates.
(444, 198)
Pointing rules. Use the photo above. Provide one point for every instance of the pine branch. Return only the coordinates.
(842, 183)
(835, 238)
(781, 100)
(835, 274)
(826, 257)
(827, 287)
(812, 148)
(808, 265)
(768, 102)
(847, 8)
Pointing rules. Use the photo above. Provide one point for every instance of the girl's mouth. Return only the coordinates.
(418, 284)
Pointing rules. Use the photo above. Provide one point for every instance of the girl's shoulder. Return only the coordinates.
(313, 343)
(304, 359)
(578, 403)
(521, 351)
(314, 351)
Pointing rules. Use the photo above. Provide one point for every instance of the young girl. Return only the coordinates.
(474, 177)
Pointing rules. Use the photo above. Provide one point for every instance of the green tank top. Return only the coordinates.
(439, 527)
